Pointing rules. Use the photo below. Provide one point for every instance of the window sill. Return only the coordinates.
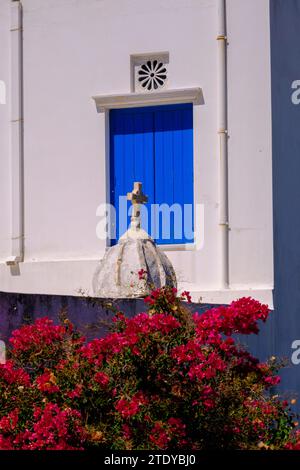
(179, 247)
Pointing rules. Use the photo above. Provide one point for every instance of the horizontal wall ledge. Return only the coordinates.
(226, 296)
(40, 277)
(130, 100)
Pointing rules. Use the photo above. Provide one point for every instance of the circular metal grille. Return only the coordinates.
(152, 75)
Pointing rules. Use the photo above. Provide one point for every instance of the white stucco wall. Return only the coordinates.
(74, 49)
(250, 144)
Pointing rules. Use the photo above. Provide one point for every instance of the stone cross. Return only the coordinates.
(137, 198)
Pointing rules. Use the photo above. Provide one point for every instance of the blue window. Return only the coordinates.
(154, 145)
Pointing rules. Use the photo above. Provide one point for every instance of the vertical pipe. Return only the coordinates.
(222, 141)
(16, 111)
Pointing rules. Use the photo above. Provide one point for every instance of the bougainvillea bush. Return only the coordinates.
(165, 379)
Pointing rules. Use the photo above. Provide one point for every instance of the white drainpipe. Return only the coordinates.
(222, 141)
(16, 116)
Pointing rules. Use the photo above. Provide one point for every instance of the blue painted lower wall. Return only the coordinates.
(91, 316)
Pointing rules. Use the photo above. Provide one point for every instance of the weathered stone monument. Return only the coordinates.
(117, 274)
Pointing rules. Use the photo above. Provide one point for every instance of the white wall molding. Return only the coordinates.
(129, 100)
(226, 296)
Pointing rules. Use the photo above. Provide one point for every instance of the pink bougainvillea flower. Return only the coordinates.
(142, 274)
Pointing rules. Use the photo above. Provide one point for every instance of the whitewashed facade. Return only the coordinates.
(76, 49)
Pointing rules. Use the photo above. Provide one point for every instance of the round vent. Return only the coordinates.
(152, 75)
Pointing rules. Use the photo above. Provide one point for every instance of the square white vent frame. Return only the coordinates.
(149, 72)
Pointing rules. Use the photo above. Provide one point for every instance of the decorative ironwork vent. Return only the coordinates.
(152, 75)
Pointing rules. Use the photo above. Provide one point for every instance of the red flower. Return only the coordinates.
(13, 375)
(53, 429)
(47, 382)
(241, 316)
(76, 393)
(9, 422)
(129, 408)
(270, 381)
(187, 295)
(42, 332)
(102, 379)
(163, 295)
(159, 436)
(6, 443)
(142, 274)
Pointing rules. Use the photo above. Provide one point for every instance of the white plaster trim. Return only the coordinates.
(226, 296)
(129, 100)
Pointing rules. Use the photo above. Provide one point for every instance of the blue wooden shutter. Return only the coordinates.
(154, 145)
(132, 156)
(174, 168)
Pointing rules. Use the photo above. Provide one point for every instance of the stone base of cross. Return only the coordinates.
(137, 198)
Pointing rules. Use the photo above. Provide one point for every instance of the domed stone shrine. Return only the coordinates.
(117, 275)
